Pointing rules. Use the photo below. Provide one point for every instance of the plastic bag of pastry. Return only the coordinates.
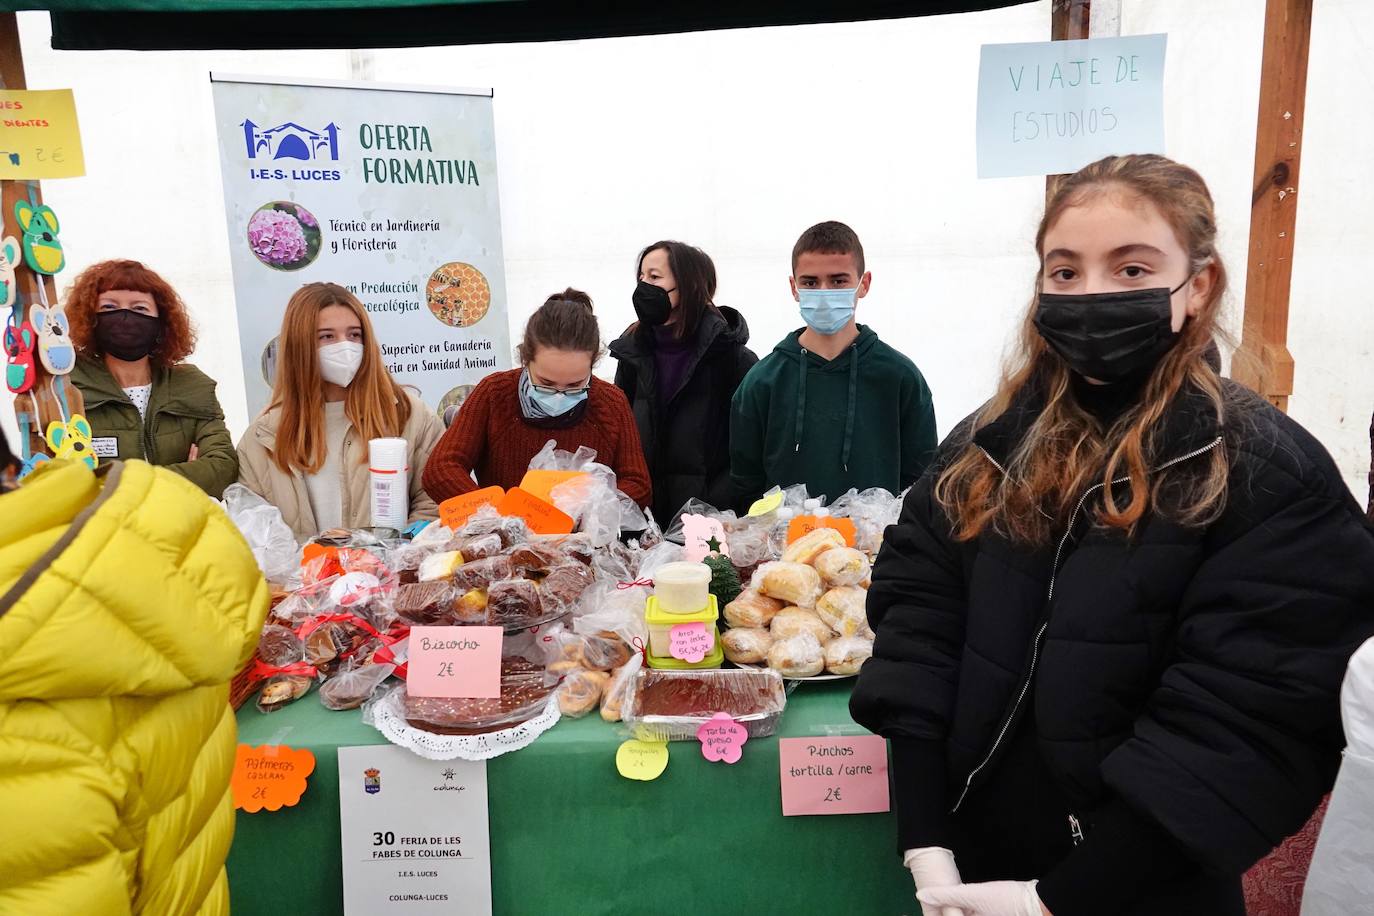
(847, 654)
(843, 610)
(694, 506)
(268, 536)
(580, 692)
(562, 586)
(872, 511)
(350, 689)
(747, 645)
(481, 573)
(617, 691)
(752, 609)
(577, 546)
(440, 565)
(843, 566)
(282, 689)
(797, 656)
(526, 558)
(809, 547)
(470, 608)
(672, 705)
(330, 643)
(514, 603)
(795, 583)
(486, 520)
(279, 646)
(606, 607)
(434, 536)
(476, 547)
(425, 603)
(791, 621)
(604, 651)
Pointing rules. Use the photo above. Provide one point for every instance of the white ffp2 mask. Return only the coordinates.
(339, 362)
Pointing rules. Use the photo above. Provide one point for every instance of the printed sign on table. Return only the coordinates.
(415, 833)
(833, 775)
(39, 136)
(1052, 107)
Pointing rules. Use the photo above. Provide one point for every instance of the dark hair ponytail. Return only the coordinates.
(565, 321)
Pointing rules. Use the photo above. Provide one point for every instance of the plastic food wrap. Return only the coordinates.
(514, 603)
(440, 565)
(482, 573)
(843, 610)
(747, 645)
(794, 583)
(476, 547)
(510, 530)
(618, 691)
(846, 655)
(797, 656)
(580, 692)
(792, 621)
(809, 547)
(671, 705)
(872, 511)
(752, 609)
(268, 536)
(843, 566)
(425, 603)
(281, 690)
(524, 694)
(279, 646)
(350, 689)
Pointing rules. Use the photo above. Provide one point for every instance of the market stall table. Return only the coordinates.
(570, 835)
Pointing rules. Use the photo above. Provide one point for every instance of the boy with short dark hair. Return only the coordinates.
(832, 406)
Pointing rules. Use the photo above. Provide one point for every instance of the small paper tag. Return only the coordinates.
(270, 776)
(105, 447)
(690, 642)
(455, 662)
(722, 738)
(804, 525)
(542, 517)
(642, 760)
(768, 504)
(846, 775)
(456, 510)
(701, 536)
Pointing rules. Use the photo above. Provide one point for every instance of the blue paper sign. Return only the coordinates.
(1052, 107)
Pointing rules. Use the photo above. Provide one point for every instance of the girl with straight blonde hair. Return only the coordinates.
(1113, 617)
(307, 452)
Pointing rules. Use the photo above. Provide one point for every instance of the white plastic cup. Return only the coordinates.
(387, 460)
(683, 588)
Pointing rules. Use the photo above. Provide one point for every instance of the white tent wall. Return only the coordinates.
(738, 140)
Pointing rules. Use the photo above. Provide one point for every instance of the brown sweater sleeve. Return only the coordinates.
(448, 472)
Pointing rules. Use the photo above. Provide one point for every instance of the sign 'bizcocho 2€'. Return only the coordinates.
(388, 191)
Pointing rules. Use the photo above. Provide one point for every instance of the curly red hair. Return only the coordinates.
(178, 336)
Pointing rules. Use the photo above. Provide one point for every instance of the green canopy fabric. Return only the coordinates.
(257, 24)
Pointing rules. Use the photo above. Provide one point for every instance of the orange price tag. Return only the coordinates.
(805, 524)
(542, 517)
(271, 776)
(540, 484)
(311, 551)
(453, 512)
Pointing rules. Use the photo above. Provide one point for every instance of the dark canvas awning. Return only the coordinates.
(208, 24)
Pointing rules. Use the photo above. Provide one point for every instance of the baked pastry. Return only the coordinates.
(472, 607)
(617, 689)
(508, 528)
(481, 573)
(794, 621)
(847, 655)
(746, 645)
(480, 547)
(279, 646)
(843, 566)
(843, 610)
(424, 602)
(514, 603)
(752, 609)
(797, 656)
(794, 583)
(808, 547)
(440, 565)
(350, 689)
(602, 652)
(282, 689)
(564, 585)
(581, 691)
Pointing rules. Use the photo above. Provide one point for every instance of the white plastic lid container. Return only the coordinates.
(683, 588)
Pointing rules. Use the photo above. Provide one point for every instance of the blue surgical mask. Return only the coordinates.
(827, 311)
(546, 405)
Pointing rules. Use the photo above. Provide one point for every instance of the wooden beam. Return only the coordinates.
(1263, 361)
(1074, 19)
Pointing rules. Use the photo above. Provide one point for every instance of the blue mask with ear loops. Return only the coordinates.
(827, 311)
(546, 405)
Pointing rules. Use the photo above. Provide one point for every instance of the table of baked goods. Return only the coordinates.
(569, 835)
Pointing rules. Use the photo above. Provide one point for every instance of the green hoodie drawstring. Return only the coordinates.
(801, 399)
(849, 414)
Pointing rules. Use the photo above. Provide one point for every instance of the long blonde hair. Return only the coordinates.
(375, 404)
(1066, 450)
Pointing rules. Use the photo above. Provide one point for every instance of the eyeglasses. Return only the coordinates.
(545, 389)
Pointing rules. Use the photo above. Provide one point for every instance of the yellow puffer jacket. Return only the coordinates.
(128, 601)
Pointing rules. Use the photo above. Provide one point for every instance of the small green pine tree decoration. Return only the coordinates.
(725, 583)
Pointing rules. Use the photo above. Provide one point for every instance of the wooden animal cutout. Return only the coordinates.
(20, 344)
(72, 441)
(34, 461)
(9, 260)
(42, 250)
(54, 340)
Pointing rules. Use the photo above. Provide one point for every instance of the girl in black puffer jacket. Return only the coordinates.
(1114, 616)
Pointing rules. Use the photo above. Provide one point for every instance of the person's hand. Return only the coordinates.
(991, 898)
(195, 453)
(933, 867)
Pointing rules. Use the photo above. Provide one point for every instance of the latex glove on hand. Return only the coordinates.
(991, 898)
(933, 867)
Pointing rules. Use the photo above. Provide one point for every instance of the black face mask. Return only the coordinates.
(127, 335)
(652, 304)
(1109, 336)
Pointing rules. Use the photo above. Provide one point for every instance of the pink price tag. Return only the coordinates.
(833, 775)
(722, 738)
(690, 642)
(701, 536)
(455, 662)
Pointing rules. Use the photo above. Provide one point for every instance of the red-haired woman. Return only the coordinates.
(1114, 615)
(132, 334)
(307, 452)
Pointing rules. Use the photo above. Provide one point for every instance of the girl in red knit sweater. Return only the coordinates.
(510, 416)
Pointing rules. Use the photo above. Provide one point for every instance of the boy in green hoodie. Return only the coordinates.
(832, 406)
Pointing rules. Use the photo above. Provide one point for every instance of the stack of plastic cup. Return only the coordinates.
(387, 459)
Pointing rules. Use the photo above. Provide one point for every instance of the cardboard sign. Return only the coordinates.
(540, 484)
(690, 641)
(455, 662)
(41, 136)
(414, 834)
(271, 776)
(722, 738)
(805, 524)
(833, 775)
(455, 511)
(642, 760)
(542, 517)
(702, 536)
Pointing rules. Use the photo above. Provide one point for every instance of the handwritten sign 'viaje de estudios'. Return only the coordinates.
(1052, 107)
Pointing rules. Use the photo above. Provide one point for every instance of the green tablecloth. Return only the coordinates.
(570, 836)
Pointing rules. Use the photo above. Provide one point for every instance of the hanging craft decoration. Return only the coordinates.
(9, 260)
(54, 338)
(71, 441)
(42, 250)
(20, 344)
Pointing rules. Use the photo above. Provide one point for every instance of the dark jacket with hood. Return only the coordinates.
(864, 419)
(1181, 686)
(686, 432)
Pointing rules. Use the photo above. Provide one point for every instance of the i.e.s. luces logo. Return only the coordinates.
(292, 141)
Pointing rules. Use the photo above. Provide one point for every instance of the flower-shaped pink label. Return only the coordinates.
(690, 642)
(722, 738)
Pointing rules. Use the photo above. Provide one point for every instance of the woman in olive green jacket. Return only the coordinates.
(132, 333)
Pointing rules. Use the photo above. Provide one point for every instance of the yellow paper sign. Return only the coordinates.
(765, 505)
(39, 136)
(642, 760)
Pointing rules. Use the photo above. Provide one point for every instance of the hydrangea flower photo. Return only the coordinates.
(284, 235)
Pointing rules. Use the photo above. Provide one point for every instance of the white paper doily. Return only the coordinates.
(387, 715)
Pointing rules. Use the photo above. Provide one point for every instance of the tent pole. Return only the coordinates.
(1263, 361)
(1074, 19)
